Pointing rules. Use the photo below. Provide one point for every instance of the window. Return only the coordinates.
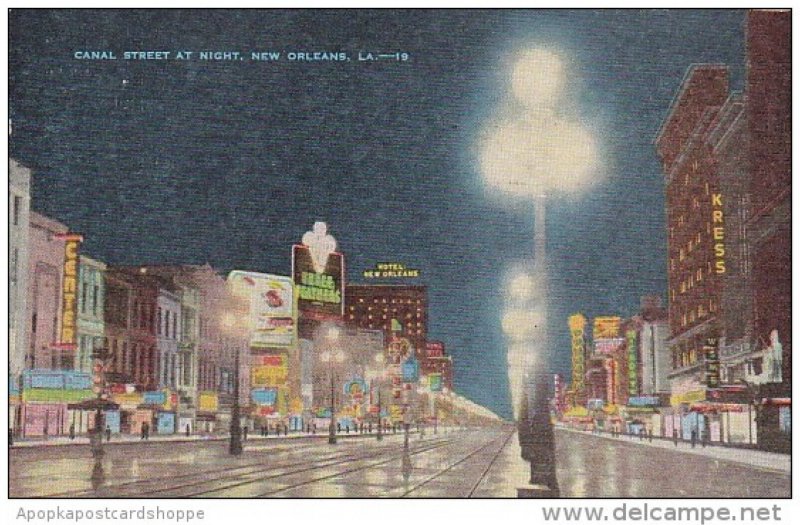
(95, 297)
(166, 323)
(158, 322)
(174, 325)
(14, 263)
(17, 206)
(84, 293)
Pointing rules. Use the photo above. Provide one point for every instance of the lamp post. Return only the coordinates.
(235, 445)
(375, 376)
(329, 356)
(234, 327)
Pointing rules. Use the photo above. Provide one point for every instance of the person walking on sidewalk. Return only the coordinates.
(675, 436)
(108, 433)
(694, 437)
(72, 431)
(188, 430)
(244, 432)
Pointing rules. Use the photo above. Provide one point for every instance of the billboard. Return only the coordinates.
(273, 307)
(56, 379)
(320, 294)
(264, 396)
(434, 349)
(608, 346)
(269, 370)
(207, 402)
(606, 327)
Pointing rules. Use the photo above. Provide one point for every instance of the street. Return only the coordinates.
(470, 463)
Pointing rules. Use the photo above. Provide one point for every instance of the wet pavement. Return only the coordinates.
(599, 467)
(469, 463)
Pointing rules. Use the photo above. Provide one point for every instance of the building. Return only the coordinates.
(91, 311)
(168, 332)
(45, 273)
(768, 108)
(654, 355)
(706, 199)
(396, 310)
(19, 180)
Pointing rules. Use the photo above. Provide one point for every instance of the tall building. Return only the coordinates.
(396, 310)
(19, 180)
(768, 91)
(706, 200)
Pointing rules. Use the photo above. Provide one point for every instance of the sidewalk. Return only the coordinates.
(753, 458)
(130, 439)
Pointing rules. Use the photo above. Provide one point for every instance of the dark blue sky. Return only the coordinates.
(230, 163)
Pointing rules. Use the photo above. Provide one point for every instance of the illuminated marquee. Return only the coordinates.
(606, 327)
(388, 270)
(633, 365)
(718, 232)
(577, 324)
(69, 291)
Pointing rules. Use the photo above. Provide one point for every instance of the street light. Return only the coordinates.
(376, 376)
(330, 356)
(231, 325)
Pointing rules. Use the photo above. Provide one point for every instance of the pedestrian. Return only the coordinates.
(144, 430)
(338, 427)
(108, 433)
(244, 432)
(286, 429)
(650, 434)
(188, 430)
(694, 437)
(369, 427)
(72, 431)
(347, 428)
(314, 429)
(675, 436)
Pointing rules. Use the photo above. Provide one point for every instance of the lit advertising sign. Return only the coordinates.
(410, 370)
(434, 349)
(643, 401)
(356, 388)
(273, 308)
(319, 294)
(264, 396)
(711, 350)
(577, 325)
(390, 270)
(69, 291)
(435, 382)
(207, 402)
(60, 380)
(155, 398)
(608, 346)
(269, 371)
(606, 327)
(633, 362)
(718, 232)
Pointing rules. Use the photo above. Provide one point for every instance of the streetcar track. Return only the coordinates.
(368, 457)
(254, 466)
(491, 463)
(462, 460)
(350, 471)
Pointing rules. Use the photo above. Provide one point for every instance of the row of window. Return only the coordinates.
(163, 328)
(696, 314)
(383, 300)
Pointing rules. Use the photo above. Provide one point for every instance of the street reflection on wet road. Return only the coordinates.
(474, 463)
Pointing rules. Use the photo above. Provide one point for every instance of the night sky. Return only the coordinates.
(231, 162)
